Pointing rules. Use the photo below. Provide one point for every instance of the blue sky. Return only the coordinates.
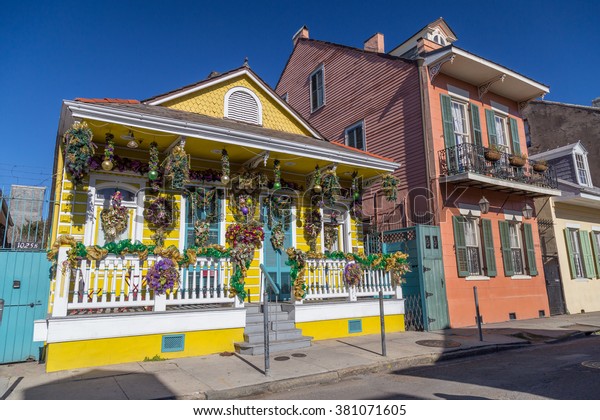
(50, 51)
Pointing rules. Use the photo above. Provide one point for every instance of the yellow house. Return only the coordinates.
(570, 233)
(177, 215)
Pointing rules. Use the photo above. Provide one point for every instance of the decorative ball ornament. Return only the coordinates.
(245, 211)
(356, 196)
(277, 185)
(152, 175)
(176, 149)
(224, 180)
(107, 165)
(318, 188)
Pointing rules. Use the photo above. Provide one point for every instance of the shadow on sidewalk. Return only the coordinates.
(102, 385)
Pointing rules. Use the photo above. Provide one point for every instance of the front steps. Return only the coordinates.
(283, 334)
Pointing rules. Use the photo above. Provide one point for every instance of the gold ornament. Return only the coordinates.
(107, 165)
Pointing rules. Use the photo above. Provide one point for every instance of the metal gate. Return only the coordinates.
(24, 271)
(425, 287)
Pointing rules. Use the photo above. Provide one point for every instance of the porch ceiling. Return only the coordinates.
(206, 150)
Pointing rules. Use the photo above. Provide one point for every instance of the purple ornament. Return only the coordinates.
(245, 211)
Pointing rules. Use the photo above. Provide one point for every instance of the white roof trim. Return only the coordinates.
(225, 135)
(220, 79)
(433, 58)
(560, 151)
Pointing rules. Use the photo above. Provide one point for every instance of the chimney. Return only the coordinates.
(302, 33)
(375, 44)
(596, 102)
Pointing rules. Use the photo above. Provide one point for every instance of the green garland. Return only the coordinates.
(177, 167)
(78, 151)
(396, 264)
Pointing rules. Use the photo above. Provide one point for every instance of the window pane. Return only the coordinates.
(514, 236)
(581, 169)
(459, 117)
(471, 233)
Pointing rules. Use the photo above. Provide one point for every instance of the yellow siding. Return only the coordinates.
(580, 294)
(338, 328)
(211, 101)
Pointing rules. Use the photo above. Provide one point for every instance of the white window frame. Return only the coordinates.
(344, 228)
(252, 94)
(320, 69)
(506, 132)
(467, 137)
(586, 168)
(361, 124)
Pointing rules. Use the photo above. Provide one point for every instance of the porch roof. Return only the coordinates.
(225, 131)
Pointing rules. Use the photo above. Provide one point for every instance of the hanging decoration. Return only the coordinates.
(279, 209)
(114, 220)
(162, 276)
(225, 167)
(356, 187)
(153, 173)
(78, 151)
(389, 185)
(297, 263)
(204, 201)
(317, 180)
(277, 174)
(177, 167)
(331, 187)
(330, 235)
(201, 233)
(244, 238)
(278, 236)
(312, 227)
(109, 152)
(159, 214)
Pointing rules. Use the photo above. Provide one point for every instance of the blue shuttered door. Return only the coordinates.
(275, 259)
(24, 287)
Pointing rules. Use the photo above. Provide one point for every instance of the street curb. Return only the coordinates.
(344, 373)
(566, 337)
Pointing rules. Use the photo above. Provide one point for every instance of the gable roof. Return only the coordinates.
(344, 47)
(240, 71)
(438, 22)
(559, 151)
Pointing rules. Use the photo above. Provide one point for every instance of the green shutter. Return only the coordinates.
(588, 257)
(506, 252)
(514, 135)
(570, 253)
(529, 249)
(491, 127)
(475, 125)
(488, 245)
(448, 121)
(596, 250)
(460, 245)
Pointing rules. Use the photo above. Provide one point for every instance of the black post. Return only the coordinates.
(477, 313)
(266, 326)
(382, 321)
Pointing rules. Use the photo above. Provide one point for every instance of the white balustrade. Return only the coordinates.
(324, 279)
(119, 282)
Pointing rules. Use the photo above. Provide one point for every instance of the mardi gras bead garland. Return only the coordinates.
(312, 227)
(177, 167)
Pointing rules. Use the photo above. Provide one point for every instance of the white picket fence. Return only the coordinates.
(119, 282)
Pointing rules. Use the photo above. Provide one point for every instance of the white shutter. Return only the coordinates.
(242, 106)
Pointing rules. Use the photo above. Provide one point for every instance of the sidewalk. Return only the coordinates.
(231, 376)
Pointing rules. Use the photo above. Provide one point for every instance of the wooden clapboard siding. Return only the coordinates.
(381, 90)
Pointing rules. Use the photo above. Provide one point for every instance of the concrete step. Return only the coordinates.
(274, 346)
(259, 337)
(273, 316)
(257, 309)
(273, 326)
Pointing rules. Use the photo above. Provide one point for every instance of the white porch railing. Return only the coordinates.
(119, 282)
(324, 279)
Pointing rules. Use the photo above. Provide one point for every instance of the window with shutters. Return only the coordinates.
(317, 89)
(474, 246)
(242, 104)
(355, 136)
(582, 250)
(460, 122)
(518, 249)
(502, 133)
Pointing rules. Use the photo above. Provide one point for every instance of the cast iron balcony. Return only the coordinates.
(472, 164)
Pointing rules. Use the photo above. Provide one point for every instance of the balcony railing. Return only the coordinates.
(471, 158)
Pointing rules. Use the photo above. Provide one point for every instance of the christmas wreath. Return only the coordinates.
(114, 220)
(162, 276)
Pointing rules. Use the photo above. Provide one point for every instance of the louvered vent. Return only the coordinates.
(243, 107)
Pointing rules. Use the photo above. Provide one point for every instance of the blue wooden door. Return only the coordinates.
(275, 259)
(24, 288)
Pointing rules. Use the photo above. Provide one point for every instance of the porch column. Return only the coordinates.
(352, 294)
(160, 302)
(398, 292)
(61, 284)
